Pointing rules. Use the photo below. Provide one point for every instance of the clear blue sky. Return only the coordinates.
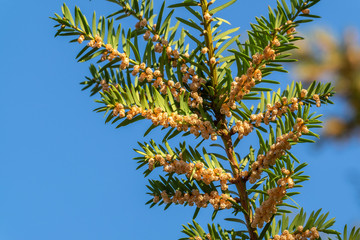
(66, 175)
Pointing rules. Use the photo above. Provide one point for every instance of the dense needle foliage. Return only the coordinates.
(193, 79)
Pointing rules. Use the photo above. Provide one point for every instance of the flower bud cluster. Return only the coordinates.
(268, 208)
(204, 50)
(303, 93)
(104, 85)
(189, 74)
(175, 88)
(269, 52)
(159, 47)
(149, 75)
(97, 42)
(81, 39)
(280, 108)
(212, 61)
(110, 52)
(172, 53)
(142, 23)
(136, 70)
(299, 234)
(239, 88)
(147, 35)
(257, 118)
(225, 109)
(161, 44)
(317, 100)
(242, 85)
(207, 16)
(291, 30)
(195, 101)
(155, 38)
(244, 174)
(274, 111)
(175, 120)
(276, 42)
(200, 200)
(277, 150)
(294, 104)
(305, 11)
(196, 82)
(195, 170)
(243, 128)
(119, 110)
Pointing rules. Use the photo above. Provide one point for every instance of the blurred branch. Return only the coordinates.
(326, 58)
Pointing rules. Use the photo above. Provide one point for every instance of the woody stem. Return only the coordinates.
(208, 41)
(240, 184)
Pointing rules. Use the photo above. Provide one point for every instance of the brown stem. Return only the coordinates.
(224, 131)
(245, 203)
(240, 184)
(209, 42)
(226, 137)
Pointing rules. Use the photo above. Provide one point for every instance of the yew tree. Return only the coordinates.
(194, 79)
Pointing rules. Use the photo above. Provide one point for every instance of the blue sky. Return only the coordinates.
(66, 175)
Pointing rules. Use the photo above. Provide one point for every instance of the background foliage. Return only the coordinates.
(335, 58)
